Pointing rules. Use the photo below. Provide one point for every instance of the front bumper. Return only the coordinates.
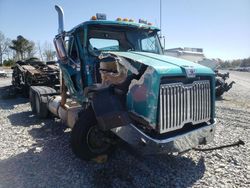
(148, 145)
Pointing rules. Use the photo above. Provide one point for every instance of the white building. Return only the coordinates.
(192, 54)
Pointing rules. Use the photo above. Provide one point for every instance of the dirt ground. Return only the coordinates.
(37, 153)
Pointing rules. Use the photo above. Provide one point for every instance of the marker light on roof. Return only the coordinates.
(131, 20)
(119, 19)
(150, 23)
(125, 19)
(93, 18)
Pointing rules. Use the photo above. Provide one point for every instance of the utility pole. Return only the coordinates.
(160, 19)
(162, 38)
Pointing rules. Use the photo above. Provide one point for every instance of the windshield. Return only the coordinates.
(103, 38)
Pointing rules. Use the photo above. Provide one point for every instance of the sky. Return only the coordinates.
(220, 27)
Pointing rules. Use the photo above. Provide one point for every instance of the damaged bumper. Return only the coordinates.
(148, 145)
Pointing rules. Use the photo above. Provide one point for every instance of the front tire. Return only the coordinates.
(87, 140)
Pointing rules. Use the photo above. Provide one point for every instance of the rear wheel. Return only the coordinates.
(32, 101)
(41, 108)
(87, 140)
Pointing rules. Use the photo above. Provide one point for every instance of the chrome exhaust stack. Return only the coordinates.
(60, 19)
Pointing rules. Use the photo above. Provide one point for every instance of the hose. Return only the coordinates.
(238, 143)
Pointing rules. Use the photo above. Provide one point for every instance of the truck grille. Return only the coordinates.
(181, 104)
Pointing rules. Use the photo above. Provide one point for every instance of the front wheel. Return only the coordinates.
(87, 140)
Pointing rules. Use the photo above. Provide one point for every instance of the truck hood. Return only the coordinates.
(143, 94)
(165, 65)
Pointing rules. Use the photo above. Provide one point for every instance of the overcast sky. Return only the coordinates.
(220, 27)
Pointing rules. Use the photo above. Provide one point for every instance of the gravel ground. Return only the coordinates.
(36, 153)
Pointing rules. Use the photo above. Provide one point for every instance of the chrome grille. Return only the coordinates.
(181, 104)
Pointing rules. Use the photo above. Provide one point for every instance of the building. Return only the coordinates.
(192, 54)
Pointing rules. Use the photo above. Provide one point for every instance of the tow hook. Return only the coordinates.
(238, 143)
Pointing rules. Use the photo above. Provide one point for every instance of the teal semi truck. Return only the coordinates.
(117, 84)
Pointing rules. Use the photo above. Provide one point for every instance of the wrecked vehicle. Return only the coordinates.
(116, 82)
(221, 85)
(31, 73)
(3, 73)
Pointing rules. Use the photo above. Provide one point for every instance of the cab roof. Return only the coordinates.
(115, 23)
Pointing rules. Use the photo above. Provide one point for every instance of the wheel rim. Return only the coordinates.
(96, 140)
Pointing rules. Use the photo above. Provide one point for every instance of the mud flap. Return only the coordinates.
(109, 109)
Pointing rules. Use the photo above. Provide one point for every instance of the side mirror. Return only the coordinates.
(162, 40)
(60, 48)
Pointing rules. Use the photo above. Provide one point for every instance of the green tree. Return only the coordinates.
(23, 47)
(9, 62)
(245, 62)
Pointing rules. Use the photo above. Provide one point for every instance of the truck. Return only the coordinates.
(221, 84)
(34, 73)
(3, 73)
(116, 84)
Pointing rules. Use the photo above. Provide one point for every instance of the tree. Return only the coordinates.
(31, 50)
(23, 47)
(245, 62)
(9, 62)
(4, 46)
(48, 52)
(39, 48)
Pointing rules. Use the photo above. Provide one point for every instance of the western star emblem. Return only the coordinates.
(190, 71)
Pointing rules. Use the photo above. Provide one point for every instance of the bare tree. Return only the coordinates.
(31, 50)
(39, 48)
(4, 46)
(48, 51)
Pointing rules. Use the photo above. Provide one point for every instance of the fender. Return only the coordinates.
(108, 107)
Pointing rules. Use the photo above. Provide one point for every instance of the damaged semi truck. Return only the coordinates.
(34, 73)
(116, 83)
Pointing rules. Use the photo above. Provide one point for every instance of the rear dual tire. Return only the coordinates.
(37, 106)
(32, 100)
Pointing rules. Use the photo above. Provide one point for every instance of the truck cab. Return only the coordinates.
(116, 82)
